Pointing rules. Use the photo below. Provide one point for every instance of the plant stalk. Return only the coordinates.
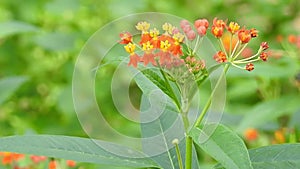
(208, 103)
(188, 152)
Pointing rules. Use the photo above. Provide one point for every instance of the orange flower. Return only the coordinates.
(249, 67)
(176, 49)
(251, 134)
(126, 38)
(9, 157)
(244, 36)
(292, 38)
(253, 33)
(263, 56)
(219, 23)
(148, 57)
(220, 57)
(71, 163)
(217, 31)
(134, 59)
(52, 164)
(145, 38)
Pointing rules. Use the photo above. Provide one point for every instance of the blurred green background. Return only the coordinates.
(41, 39)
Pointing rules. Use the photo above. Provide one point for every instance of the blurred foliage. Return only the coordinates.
(40, 40)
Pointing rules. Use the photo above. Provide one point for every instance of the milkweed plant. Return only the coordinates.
(173, 58)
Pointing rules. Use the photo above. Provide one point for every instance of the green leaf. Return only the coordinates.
(269, 110)
(223, 145)
(72, 148)
(15, 27)
(9, 85)
(283, 156)
(160, 125)
(159, 82)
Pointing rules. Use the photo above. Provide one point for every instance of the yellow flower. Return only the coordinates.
(233, 27)
(147, 46)
(164, 45)
(154, 33)
(168, 28)
(178, 37)
(130, 47)
(143, 26)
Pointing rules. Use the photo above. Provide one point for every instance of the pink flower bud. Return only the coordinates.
(201, 22)
(187, 28)
(191, 35)
(201, 30)
(184, 23)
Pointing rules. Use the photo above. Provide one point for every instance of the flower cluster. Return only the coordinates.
(164, 49)
(19, 161)
(237, 43)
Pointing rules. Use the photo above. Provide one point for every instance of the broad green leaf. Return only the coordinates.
(9, 85)
(15, 27)
(223, 145)
(73, 148)
(269, 110)
(283, 156)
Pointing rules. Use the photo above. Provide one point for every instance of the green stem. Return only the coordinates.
(189, 140)
(185, 121)
(240, 51)
(207, 105)
(230, 50)
(188, 152)
(179, 158)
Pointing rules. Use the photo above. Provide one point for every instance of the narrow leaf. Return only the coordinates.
(157, 79)
(72, 148)
(223, 145)
(15, 27)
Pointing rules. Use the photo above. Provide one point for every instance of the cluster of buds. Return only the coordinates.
(164, 49)
(201, 25)
(239, 39)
